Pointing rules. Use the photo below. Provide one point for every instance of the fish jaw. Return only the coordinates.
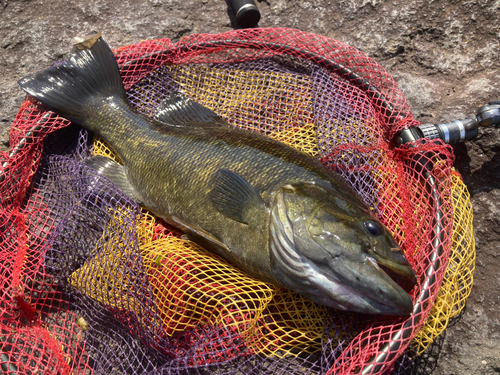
(399, 271)
(345, 282)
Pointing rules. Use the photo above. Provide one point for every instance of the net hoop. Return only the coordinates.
(137, 61)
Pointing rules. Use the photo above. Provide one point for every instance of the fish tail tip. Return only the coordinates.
(86, 41)
(88, 72)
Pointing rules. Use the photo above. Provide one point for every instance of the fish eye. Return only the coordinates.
(373, 227)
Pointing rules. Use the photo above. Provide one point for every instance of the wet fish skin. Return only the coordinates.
(274, 212)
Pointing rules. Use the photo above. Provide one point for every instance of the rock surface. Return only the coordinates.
(444, 54)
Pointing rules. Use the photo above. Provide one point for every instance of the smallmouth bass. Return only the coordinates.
(275, 213)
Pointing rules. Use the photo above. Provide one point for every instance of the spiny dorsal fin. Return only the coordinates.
(115, 172)
(177, 109)
(234, 197)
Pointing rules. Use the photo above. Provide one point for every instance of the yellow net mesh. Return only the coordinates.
(193, 287)
(458, 279)
(272, 321)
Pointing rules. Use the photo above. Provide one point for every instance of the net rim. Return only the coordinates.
(169, 54)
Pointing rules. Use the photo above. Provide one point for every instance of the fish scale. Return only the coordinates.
(274, 212)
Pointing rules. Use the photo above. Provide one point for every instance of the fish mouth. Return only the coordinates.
(399, 271)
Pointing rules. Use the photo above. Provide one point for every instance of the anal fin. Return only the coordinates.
(200, 236)
(114, 172)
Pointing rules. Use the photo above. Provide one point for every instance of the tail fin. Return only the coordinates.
(68, 89)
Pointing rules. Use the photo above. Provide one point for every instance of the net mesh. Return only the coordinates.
(92, 283)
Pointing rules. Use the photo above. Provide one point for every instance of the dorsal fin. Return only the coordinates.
(177, 109)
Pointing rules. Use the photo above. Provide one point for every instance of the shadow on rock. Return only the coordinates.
(483, 179)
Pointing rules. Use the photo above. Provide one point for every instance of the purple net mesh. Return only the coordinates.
(66, 218)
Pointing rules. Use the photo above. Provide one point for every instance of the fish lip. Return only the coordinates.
(401, 306)
(399, 272)
(403, 269)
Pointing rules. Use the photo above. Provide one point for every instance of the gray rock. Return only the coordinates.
(444, 54)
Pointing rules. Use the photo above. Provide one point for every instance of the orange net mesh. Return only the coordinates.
(93, 284)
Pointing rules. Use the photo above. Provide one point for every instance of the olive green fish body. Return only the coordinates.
(179, 164)
(274, 212)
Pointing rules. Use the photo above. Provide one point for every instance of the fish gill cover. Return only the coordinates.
(93, 284)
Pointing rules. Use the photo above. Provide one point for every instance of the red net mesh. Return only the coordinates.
(71, 303)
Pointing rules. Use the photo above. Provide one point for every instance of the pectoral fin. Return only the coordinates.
(176, 109)
(115, 172)
(200, 236)
(234, 197)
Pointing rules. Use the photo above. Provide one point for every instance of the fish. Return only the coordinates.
(274, 212)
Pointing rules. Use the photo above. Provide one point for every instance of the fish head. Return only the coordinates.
(328, 246)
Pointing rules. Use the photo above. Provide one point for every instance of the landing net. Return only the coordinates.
(92, 283)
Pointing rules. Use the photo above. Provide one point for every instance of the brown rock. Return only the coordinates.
(445, 55)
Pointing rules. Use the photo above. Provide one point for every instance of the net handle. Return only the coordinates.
(399, 338)
(388, 351)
